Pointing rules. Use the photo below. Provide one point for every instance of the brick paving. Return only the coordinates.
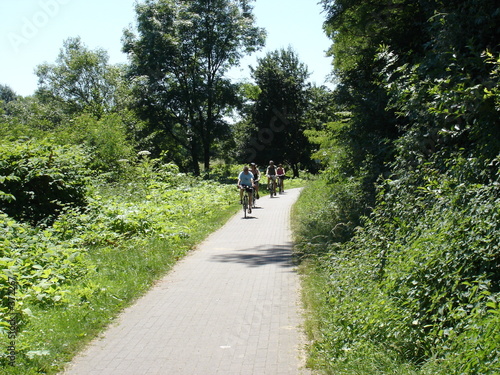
(231, 306)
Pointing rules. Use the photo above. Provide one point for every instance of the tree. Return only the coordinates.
(414, 71)
(178, 61)
(80, 81)
(279, 111)
(446, 95)
(7, 94)
(358, 28)
(7, 97)
(39, 179)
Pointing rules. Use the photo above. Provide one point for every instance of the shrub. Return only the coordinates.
(106, 137)
(38, 179)
(36, 270)
(419, 280)
(331, 213)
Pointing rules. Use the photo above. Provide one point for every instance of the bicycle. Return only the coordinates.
(245, 200)
(272, 185)
(280, 183)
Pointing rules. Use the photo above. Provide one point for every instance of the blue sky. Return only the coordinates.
(32, 32)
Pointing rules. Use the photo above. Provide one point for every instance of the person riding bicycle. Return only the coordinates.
(280, 172)
(271, 174)
(245, 181)
(256, 178)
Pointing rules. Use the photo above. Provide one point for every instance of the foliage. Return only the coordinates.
(449, 112)
(178, 62)
(225, 173)
(330, 215)
(80, 81)
(358, 29)
(279, 111)
(30, 117)
(81, 100)
(107, 138)
(37, 271)
(76, 275)
(418, 283)
(414, 71)
(7, 95)
(37, 180)
(40, 266)
(331, 153)
(168, 210)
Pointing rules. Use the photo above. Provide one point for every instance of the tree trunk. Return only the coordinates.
(194, 158)
(196, 166)
(206, 156)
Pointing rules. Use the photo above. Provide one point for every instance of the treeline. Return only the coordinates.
(408, 239)
(173, 98)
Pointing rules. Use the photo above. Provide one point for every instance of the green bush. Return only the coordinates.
(151, 208)
(37, 180)
(442, 264)
(37, 270)
(419, 280)
(475, 350)
(332, 212)
(106, 137)
(225, 173)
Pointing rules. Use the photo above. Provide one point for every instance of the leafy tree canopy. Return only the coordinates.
(416, 72)
(80, 81)
(7, 94)
(178, 60)
(279, 110)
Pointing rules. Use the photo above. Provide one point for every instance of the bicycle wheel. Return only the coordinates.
(245, 204)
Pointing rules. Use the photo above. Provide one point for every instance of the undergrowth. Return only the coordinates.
(416, 288)
(74, 277)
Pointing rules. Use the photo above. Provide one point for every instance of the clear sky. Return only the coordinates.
(32, 32)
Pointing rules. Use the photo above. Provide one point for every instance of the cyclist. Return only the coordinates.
(280, 172)
(271, 175)
(245, 181)
(256, 178)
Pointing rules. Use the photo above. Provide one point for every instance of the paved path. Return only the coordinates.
(230, 307)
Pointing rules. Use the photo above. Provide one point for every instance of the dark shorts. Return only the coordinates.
(249, 189)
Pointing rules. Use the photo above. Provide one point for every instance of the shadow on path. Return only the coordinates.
(259, 256)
